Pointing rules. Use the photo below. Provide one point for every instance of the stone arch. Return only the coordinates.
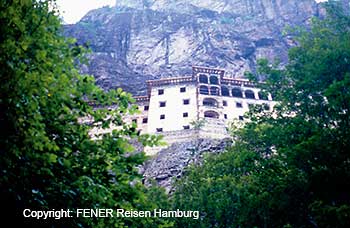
(237, 92)
(225, 91)
(204, 90)
(249, 94)
(211, 114)
(211, 102)
(203, 79)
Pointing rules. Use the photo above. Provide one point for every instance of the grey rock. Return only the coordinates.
(171, 163)
(150, 39)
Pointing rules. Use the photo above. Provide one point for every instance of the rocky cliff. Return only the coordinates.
(170, 163)
(140, 40)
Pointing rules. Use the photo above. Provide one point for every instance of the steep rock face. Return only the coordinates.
(170, 163)
(147, 39)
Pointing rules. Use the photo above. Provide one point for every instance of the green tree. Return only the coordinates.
(48, 160)
(289, 169)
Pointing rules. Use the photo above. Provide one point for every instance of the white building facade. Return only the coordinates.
(172, 104)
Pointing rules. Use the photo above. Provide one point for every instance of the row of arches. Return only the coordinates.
(234, 92)
(205, 79)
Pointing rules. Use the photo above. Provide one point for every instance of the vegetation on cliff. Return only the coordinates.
(290, 168)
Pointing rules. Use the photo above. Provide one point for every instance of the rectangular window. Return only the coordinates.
(162, 104)
(225, 116)
(186, 127)
(239, 105)
(160, 91)
(162, 117)
(266, 107)
(186, 101)
(144, 120)
(224, 103)
(185, 114)
(240, 118)
(145, 108)
(182, 89)
(159, 129)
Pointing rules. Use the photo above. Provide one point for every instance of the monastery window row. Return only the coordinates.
(205, 79)
(235, 92)
(163, 103)
(162, 117)
(144, 120)
(161, 91)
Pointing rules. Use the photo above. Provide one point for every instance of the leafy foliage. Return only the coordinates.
(290, 168)
(48, 160)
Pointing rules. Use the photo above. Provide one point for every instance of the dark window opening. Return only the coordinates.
(162, 117)
(182, 89)
(224, 103)
(145, 108)
(160, 91)
(240, 118)
(159, 129)
(211, 114)
(203, 78)
(225, 91)
(162, 104)
(203, 90)
(214, 91)
(185, 114)
(239, 105)
(249, 94)
(144, 120)
(236, 92)
(214, 80)
(186, 127)
(262, 96)
(186, 101)
(266, 107)
(225, 116)
(210, 102)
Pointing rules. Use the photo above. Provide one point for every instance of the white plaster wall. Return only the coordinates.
(174, 108)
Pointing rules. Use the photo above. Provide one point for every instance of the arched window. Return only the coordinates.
(204, 90)
(210, 102)
(214, 91)
(225, 91)
(249, 94)
(262, 96)
(236, 92)
(203, 78)
(214, 80)
(211, 114)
